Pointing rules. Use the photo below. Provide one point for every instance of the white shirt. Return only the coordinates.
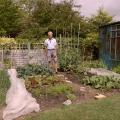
(50, 43)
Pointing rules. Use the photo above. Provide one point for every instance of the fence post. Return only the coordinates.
(2, 58)
(28, 52)
(11, 56)
(60, 43)
(78, 37)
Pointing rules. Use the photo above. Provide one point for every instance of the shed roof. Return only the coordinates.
(112, 23)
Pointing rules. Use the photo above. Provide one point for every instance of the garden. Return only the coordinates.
(85, 87)
(74, 83)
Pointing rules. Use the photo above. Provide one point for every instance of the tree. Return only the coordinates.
(42, 15)
(9, 18)
(101, 18)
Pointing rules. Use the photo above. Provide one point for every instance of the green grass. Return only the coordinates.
(106, 109)
(4, 85)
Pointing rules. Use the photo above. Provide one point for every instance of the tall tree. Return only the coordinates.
(9, 18)
(101, 18)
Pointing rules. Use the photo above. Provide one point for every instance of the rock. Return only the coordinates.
(67, 102)
(102, 72)
(82, 89)
(100, 96)
(66, 78)
(60, 75)
(68, 81)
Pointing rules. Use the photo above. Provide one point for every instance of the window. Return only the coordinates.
(115, 42)
(118, 33)
(118, 27)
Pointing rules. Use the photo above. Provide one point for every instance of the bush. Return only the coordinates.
(32, 70)
(102, 82)
(38, 81)
(4, 85)
(4, 41)
(71, 96)
(83, 66)
(59, 89)
(50, 85)
(117, 69)
(69, 59)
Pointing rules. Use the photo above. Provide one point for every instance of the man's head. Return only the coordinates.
(50, 34)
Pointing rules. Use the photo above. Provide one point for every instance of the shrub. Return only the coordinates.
(83, 66)
(59, 89)
(38, 81)
(69, 59)
(32, 70)
(71, 96)
(117, 69)
(102, 82)
(4, 85)
(4, 41)
(52, 90)
(47, 85)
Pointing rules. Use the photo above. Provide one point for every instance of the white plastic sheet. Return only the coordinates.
(19, 101)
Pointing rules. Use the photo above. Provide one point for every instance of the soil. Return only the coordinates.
(86, 94)
(81, 96)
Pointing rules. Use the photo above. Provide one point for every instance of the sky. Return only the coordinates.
(90, 7)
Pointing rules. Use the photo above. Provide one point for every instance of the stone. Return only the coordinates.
(67, 102)
(82, 89)
(60, 75)
(100, 96)
(102, 72)
(66, 78)
(18, 100)
(67, 81)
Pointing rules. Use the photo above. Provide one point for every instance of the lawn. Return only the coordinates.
(4, 85)
(106, 109)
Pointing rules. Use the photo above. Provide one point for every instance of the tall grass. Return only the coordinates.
(4, 85)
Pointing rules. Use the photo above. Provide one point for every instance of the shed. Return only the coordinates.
(110, 44)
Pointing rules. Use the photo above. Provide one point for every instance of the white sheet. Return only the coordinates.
(19, 101)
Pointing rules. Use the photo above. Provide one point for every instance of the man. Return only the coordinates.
(51, 51)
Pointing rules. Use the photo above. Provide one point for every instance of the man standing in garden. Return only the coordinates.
(51, 51)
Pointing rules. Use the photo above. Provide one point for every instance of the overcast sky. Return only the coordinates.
(89, 7)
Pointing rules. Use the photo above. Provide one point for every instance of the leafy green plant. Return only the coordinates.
(117, 69)
(102, 82)
(83, 66)
(32, 70)
(42, 80)
(47, 85)
(90, 40)
(4, 85)
(71, 96)
(59, 89)
(52, 90)
(7, 63)
(69, 59)
(8, 41)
